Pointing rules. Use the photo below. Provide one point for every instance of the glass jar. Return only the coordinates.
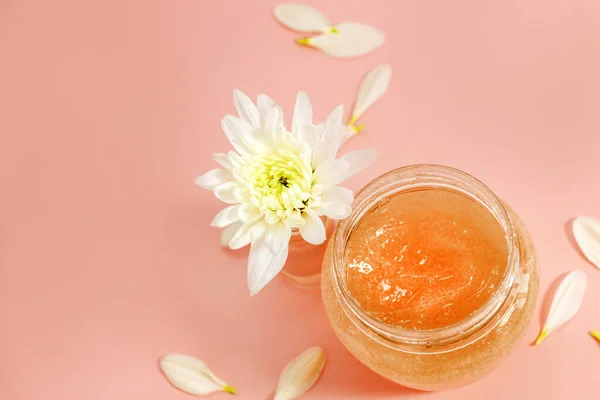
(451, 356)
(303, 266)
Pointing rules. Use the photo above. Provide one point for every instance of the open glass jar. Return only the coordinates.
(445, 356)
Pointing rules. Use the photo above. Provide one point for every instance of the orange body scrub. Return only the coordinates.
(425, 259)
(432, 280)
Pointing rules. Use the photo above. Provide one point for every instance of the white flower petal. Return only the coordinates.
(264, 104)
(228, 192)
(242, 237)
(228, 232)
(374, 86)
(223, 159)
(214, 178)
(238, 132)
(300, 374)
(309, 136)
(357, 161)
(352, 40)
(331, 172)
(246, 108)
(337, 195)
(226, 216)
(313, 229)
(302, 112)
(278, 236)
(248, 212)
(331, 137)
(565, 304)
(301, 18)
(263, 265)
(191, 375)
(586, 231)
(333, 211)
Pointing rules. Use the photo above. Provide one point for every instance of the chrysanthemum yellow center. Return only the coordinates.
(281, 184)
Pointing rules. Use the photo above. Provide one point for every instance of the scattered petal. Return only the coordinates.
(586, 231)
(352, 40)
(373, 87)
(566, 303)
(301, 18)
(300, 374)
(191, 375)
(595, 335)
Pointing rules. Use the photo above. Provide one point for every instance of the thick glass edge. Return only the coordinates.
(448, 338)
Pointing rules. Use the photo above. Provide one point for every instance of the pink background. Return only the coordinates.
(110, 109)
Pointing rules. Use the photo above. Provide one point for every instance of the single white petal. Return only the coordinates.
(587, 235)
(374, 86)
(264, 104)
(246, 108)
(239, 132)
(226, 216)
(241, 237)
(352, 40)
(313, 229)
(300, 374)
(301, 18)
(330, 138)
(302, 112)
(263, 264)
(223, 159)
(191, 375)
(278, 236)
(235, 159)
(566, 302)
(309, 136)
(214, 178)
(358, 160)
(331, 172)
(228, 192)
(228, 232)
(333, 211)
(248, 212)
(337, 195)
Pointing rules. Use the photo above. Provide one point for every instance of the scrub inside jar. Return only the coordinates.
(425, 259)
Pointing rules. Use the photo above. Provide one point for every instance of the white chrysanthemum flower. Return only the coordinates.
(277, 181)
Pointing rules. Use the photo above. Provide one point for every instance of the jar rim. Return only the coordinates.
(462, 333)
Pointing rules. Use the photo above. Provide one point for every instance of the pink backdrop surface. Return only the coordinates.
(110, 109)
